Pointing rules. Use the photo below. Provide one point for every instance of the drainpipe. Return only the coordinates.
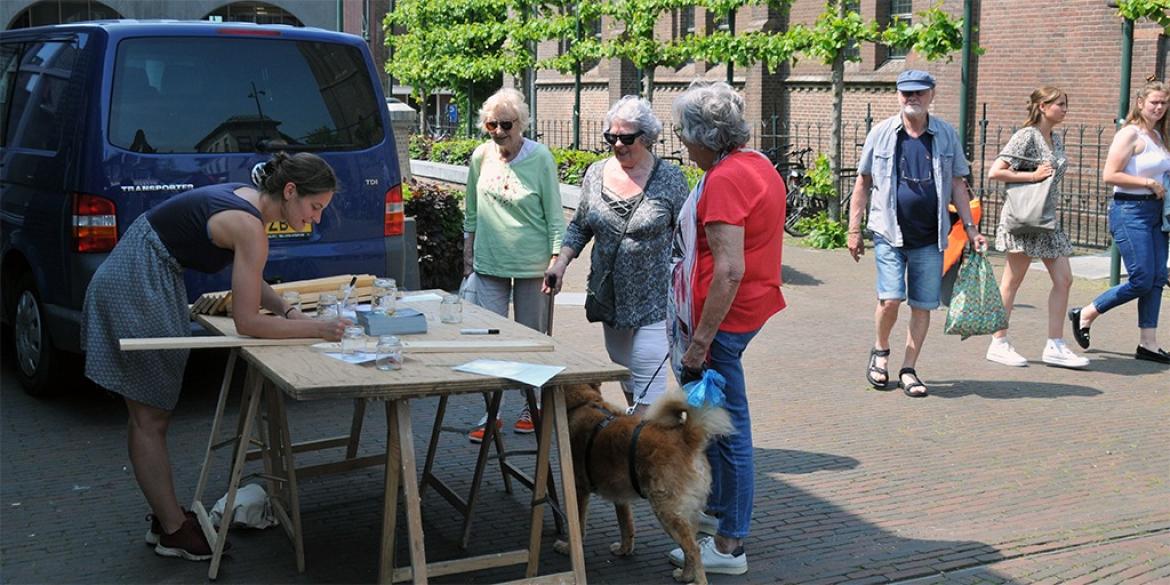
(731, 64)
(577, 85)
(965, 83)
(340, 20)
(1122, 110)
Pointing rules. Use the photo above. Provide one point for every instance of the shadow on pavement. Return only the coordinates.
(800, 537)
(1007, 389)
(1122, 363)
(793, 277)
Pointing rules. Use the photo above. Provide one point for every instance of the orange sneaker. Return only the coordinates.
(476, 434)
(524, 424)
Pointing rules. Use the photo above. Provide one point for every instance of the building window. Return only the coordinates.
(853, 49)
(717, 22)
(683, 22)
(589, 29)
(900, 11)
(257, 12)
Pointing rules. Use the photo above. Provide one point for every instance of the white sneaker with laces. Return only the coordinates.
(1057, 353)
(708, 524)
(1001, 352)
(713, 560)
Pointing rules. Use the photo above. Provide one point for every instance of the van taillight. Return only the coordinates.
(95, 224)
(395, 212)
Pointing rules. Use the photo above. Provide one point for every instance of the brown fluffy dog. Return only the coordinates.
(671, 466)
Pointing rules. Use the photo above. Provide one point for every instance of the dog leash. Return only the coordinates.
(646, 388)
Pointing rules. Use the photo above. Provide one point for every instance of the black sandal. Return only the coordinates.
(909, 388)
(875, 353)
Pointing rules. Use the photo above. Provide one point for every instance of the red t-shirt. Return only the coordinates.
(744, 190)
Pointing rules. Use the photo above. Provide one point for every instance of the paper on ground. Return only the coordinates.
(531, 374)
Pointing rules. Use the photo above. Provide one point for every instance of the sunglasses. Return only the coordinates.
(921, 92)
(493, 124)
(627, 139)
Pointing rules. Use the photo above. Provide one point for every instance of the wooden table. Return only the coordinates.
(299, 373)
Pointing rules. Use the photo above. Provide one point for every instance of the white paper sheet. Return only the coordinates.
(357, 357)
(530, 374)
(419, 298)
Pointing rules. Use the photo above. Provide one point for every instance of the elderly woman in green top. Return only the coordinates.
(514, 221)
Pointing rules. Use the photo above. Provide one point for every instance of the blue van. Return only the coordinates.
(101, 121)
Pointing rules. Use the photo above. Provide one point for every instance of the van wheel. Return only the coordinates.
(40, 366)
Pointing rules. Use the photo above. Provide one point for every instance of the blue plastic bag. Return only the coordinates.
(706, 391)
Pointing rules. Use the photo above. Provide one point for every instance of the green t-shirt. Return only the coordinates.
(515, 211)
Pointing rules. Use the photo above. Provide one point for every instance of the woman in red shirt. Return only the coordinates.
(725, 285)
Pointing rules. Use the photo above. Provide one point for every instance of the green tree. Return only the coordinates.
(1156, 10)
(450, 44)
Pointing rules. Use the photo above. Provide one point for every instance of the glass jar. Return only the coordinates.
(385, 295)
(291, 298)
(353, 340)
(451, 309)
(327, 308)
(388, 353)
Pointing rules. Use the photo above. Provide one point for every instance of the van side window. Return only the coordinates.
(189, 95)
(40, 96)
(9, 58)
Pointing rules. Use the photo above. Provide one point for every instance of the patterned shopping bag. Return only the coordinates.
(976, 306)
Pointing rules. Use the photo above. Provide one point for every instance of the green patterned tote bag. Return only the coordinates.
(976, 307)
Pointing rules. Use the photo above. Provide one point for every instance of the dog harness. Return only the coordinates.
(609, 416)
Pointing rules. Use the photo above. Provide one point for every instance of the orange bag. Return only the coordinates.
(957, 239)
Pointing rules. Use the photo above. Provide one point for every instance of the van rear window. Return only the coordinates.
(191, 95)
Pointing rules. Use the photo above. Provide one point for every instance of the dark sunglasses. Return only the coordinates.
(493, 124)
(913, 93)
(627, 139)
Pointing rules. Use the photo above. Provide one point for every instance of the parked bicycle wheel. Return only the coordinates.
(799, 206)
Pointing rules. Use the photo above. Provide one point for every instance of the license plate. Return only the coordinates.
(279, 230)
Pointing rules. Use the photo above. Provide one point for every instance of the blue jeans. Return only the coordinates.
(1137, 230)
(733, 472)
(916, 269)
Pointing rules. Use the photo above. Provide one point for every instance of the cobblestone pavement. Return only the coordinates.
(1002, 475)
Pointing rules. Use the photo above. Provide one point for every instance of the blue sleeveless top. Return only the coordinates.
(181, 224)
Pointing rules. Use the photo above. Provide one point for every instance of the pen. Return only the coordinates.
(479, 331)
(348, 290)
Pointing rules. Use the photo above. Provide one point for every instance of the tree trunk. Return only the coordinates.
(648, 80)
(835, 131)
(422, 114)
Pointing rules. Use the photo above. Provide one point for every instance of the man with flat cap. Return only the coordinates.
(913, 166)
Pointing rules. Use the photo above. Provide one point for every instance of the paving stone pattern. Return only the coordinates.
(1002, 475)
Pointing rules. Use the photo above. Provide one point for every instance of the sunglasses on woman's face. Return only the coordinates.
(493, 124)
(627, 139)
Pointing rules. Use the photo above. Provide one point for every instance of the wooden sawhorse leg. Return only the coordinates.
(400, 471)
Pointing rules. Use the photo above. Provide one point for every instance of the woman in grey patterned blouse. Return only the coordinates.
(1038, 149)
(631, 186)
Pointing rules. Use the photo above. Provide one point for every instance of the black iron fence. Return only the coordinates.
(1084, 198)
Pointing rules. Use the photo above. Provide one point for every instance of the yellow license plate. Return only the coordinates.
(279, 230)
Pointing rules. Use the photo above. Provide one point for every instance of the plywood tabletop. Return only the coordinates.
(305, 374)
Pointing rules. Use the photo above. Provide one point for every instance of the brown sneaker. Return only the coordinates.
(155, 530)
(187, 542)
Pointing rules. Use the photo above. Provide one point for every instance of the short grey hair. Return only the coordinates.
(508, 100)
(632, 109)
(711, 115)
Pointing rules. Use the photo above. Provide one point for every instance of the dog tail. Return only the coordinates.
(672, 410)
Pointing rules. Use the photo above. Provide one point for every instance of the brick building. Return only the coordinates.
(1073, 44)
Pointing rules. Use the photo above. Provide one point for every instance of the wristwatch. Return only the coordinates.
(968, 225)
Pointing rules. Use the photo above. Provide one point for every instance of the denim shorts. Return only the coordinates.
(916, 269)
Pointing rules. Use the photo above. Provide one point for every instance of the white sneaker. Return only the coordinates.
(1057, 353)
(708, 524)
(713, 560)
(1001, 352)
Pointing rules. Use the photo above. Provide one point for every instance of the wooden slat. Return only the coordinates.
(502, 345)
(153, 343)
(456, 566)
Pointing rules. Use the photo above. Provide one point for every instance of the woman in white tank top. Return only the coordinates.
(1138, 167)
